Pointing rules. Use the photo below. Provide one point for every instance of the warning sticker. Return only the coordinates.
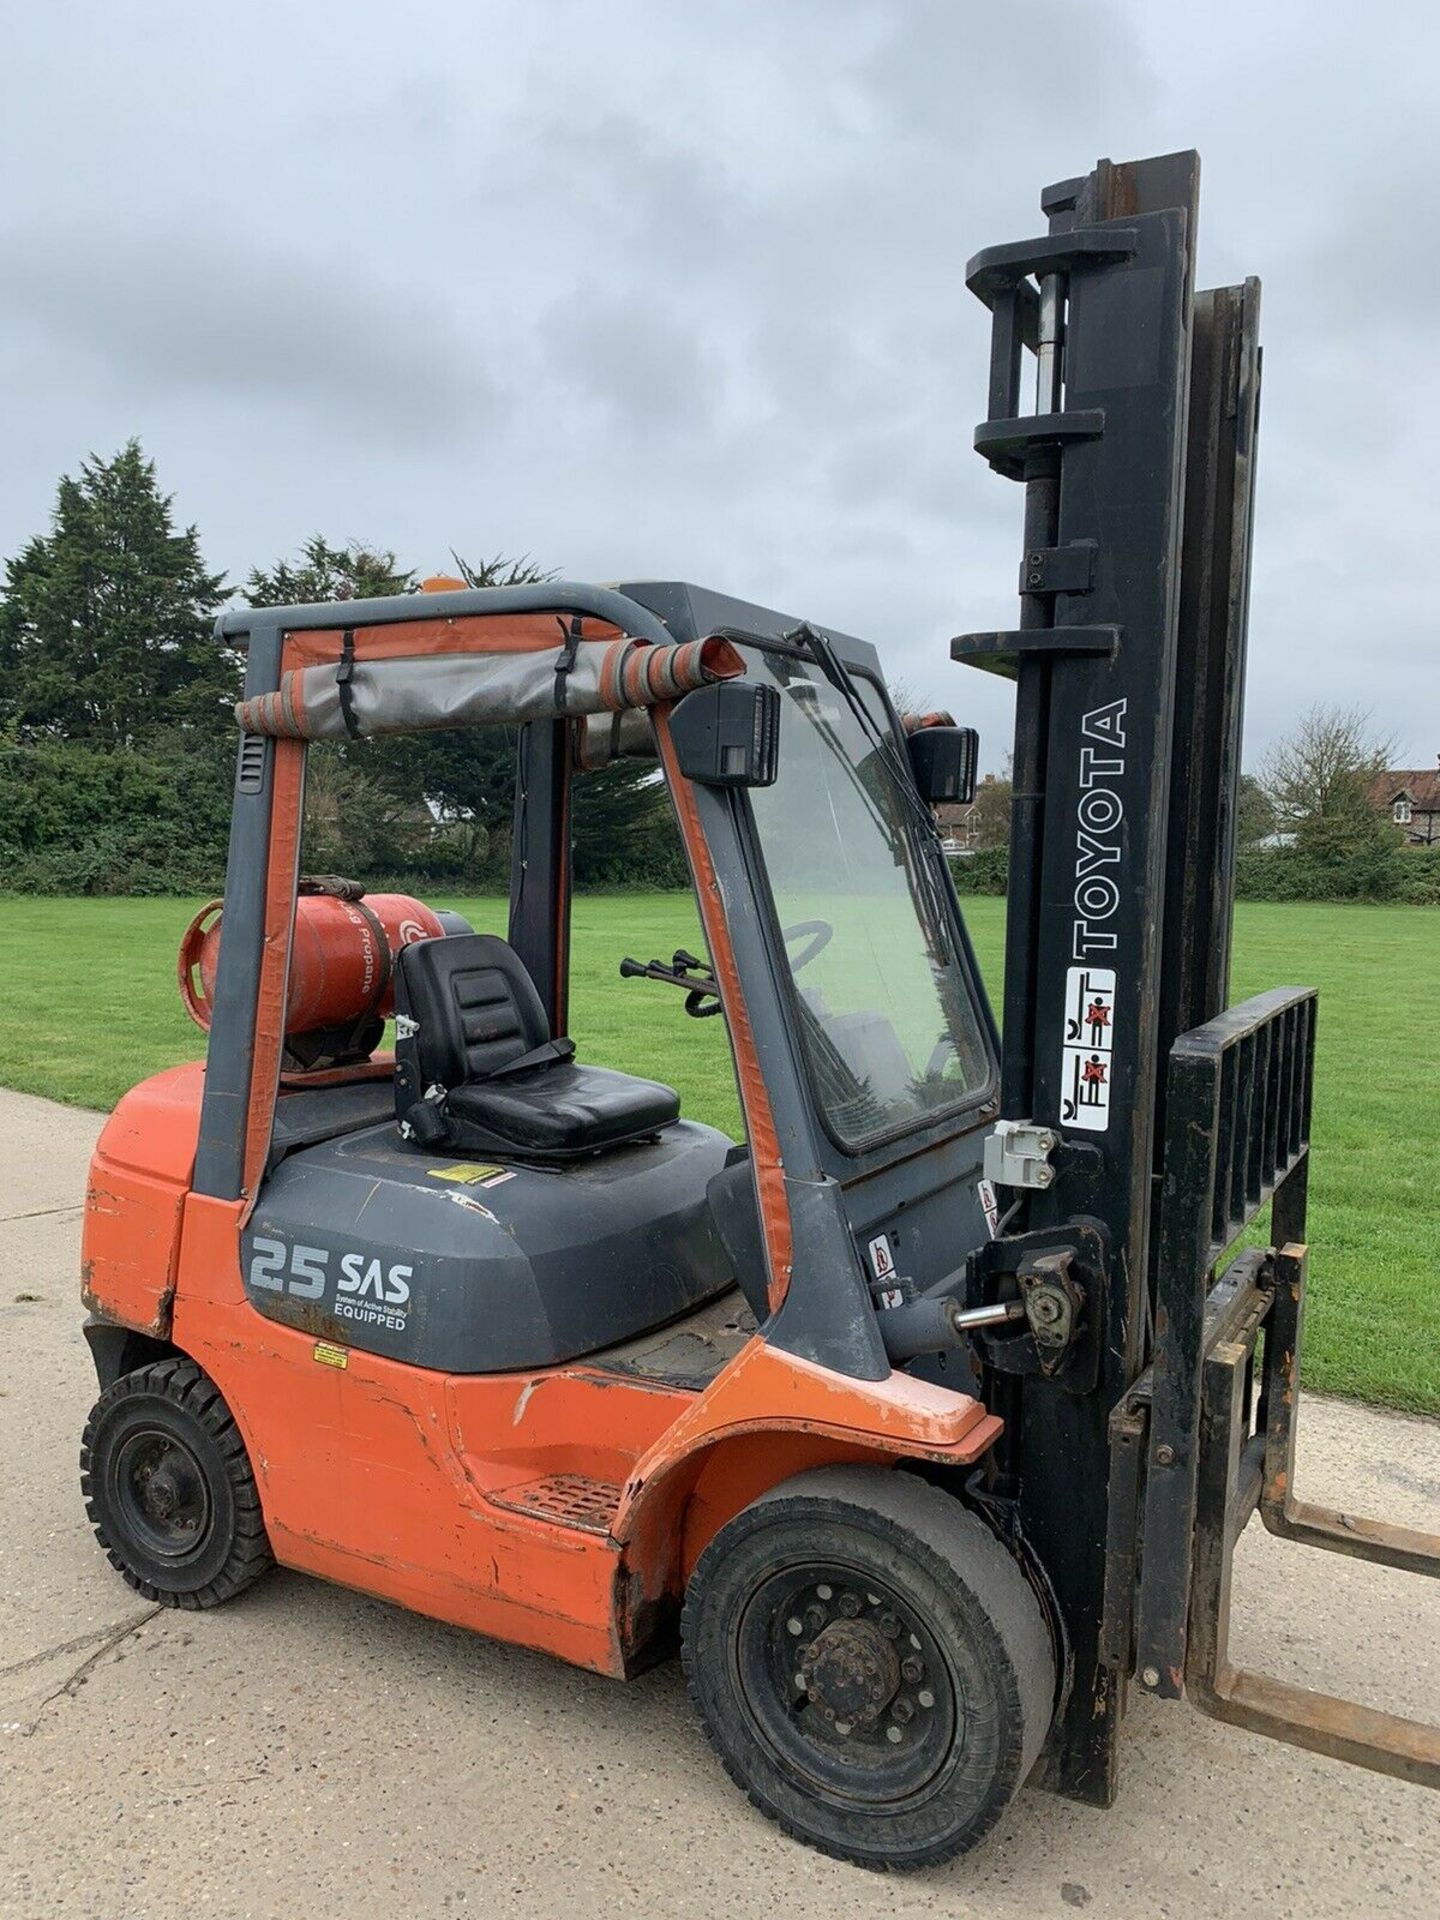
(882, 1261)
(471, 1175)
(990, 1203)
(1087, 1050)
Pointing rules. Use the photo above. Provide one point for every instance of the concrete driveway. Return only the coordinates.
(310, 1752)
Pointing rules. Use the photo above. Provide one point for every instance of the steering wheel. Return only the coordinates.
(817, 935)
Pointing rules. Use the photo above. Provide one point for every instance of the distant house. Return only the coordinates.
(980, 826)
(1411, 798)
(959, 829)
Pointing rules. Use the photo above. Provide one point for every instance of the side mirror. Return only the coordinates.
(943, 761)
(728, 735)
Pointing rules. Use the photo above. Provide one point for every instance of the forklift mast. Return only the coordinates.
(1130, 1097)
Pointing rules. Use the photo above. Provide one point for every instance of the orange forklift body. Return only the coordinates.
(563, 1507)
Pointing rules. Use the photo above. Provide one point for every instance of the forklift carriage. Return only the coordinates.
(930, 1413)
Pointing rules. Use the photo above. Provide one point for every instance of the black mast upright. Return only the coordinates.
(1105, 300)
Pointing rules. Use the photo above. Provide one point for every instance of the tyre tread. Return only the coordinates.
(186, 1387)
(966, 1547)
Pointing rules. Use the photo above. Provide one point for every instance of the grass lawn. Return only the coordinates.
(92, 1007)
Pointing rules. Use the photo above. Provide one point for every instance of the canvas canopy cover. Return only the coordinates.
(359, 697)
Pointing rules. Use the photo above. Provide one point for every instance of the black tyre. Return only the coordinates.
(168, 1488)
(871, 1665)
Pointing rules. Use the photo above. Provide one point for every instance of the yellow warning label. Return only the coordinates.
(329, 1356)
(468, 1175)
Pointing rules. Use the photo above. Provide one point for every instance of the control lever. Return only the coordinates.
(702, 996)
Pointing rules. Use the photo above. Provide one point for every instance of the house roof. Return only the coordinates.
(1420, 785)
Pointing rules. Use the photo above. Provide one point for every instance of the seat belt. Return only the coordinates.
(427, 1122)
(549, 1053)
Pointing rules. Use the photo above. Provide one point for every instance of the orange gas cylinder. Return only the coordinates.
(341, 958)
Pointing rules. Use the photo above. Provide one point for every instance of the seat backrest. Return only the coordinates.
(474, 1009)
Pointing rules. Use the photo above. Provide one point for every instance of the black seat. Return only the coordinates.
(476, 1068)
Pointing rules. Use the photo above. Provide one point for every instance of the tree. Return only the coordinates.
(994, 798)
(1318, 779)
(1254, 813)
(1325, 766)
(323, 572)
(106, 621)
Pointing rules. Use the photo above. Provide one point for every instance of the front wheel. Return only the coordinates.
(871, 1665)
(169, 1489)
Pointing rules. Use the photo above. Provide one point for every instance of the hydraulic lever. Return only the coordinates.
(687, 971)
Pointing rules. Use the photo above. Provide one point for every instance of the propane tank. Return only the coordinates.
(342, 958)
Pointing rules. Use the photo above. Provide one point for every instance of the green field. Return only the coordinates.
(91, 1008)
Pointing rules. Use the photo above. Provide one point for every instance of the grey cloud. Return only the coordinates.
(646, 288)
(168, 313)
(641, 366)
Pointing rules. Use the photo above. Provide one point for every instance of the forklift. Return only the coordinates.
(925, 1418)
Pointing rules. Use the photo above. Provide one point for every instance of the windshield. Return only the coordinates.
(887, 1022)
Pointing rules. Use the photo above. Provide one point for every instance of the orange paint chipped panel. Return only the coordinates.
(378, 1475)
(412, 1484)
(130, 1240)
(767, 1390)
(154, 1128)
(129, 1246)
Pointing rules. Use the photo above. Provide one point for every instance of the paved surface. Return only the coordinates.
(309, 1752)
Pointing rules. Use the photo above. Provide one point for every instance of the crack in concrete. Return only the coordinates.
(73, 1646)
(41, 1213)
(108, 1640)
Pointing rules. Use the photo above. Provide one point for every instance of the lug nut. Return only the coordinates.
(912, 1669)
(814, 1618)
(903, 1710)
(889, 1626)
(849, 1605)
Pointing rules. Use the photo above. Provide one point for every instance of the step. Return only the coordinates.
(564, 1499)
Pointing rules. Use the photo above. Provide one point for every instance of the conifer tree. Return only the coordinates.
(106, 622)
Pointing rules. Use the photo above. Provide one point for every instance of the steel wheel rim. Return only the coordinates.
(861, 1705)
(159, 1488)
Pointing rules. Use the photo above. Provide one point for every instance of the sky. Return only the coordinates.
(643, 289)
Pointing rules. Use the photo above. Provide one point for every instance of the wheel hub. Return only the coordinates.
(851, 1671)
(163, 1494)
(161, 1489)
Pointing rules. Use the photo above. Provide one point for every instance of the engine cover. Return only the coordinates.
(475, 1266)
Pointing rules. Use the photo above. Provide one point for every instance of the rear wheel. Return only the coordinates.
(169, 1490)
(871, 1665)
